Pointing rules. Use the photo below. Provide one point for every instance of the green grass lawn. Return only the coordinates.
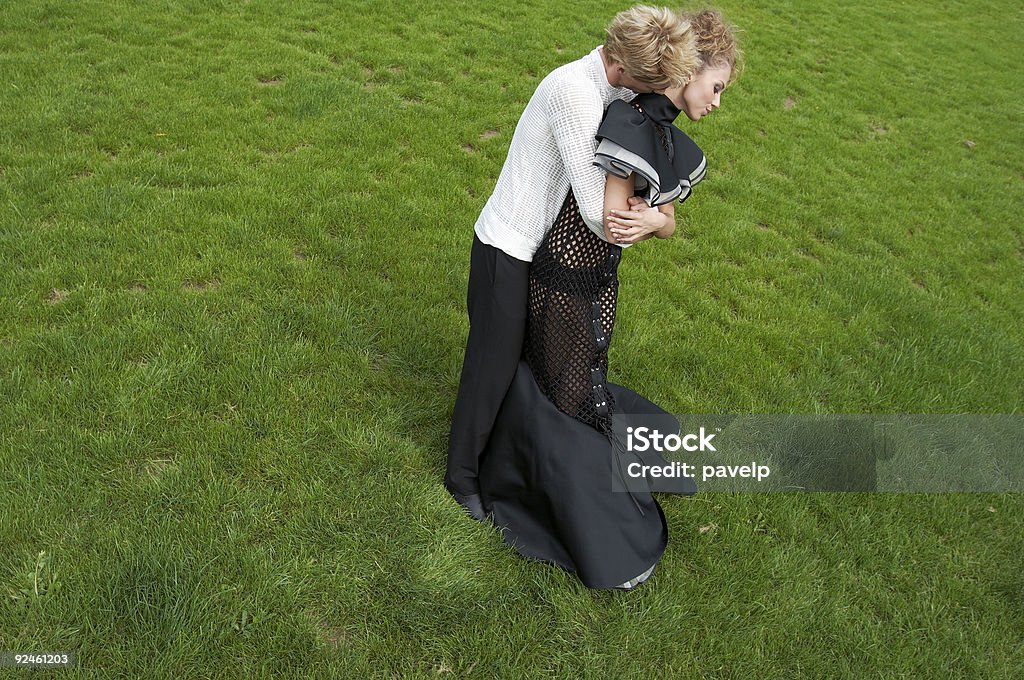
(234, 246)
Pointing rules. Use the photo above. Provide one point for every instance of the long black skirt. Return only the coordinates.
(548, 470)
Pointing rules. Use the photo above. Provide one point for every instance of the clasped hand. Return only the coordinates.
(638, 223)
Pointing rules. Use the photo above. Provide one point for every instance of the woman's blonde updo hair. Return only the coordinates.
(654, 45)
(716, 40)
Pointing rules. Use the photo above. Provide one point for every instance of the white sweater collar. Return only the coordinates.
(609, 93)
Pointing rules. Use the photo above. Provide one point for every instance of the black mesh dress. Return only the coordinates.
(573, 290)
(547, 472)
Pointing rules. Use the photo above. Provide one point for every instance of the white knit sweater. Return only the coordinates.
(552, 148)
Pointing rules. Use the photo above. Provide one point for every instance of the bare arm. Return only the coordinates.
(617, 192)
(669, 210)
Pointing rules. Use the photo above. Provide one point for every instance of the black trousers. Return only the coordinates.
(496, 302)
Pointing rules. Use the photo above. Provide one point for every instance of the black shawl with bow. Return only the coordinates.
(667, 163)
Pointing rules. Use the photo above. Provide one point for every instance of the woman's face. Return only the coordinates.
(703, 94)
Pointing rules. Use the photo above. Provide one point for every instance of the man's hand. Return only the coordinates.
(636, 203)
(639, 222)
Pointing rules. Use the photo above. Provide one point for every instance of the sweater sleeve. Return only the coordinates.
(575, 113)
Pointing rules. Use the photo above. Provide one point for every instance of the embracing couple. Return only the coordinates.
(595, 165)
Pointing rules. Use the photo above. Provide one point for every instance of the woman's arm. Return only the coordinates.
(635, 221)
(669, 210)
(617, 192)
